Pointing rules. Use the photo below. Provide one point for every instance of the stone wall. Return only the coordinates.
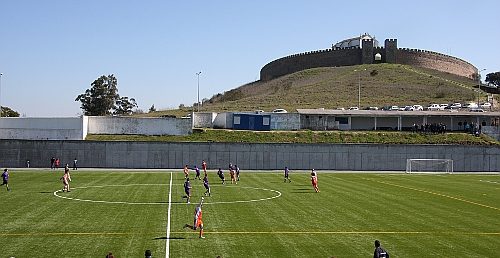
(248, 156)
(365, 55)
(436, 61)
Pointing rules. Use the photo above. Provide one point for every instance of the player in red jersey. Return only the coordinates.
(314, 181)
(198, 222)
(204, 167)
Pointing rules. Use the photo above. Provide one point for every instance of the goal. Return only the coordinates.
(431, 166)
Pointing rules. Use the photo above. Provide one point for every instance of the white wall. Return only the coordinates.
(285, 121)
(38, 128)
(133, 125)
(203, 120)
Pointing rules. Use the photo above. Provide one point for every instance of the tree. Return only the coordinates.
(493, 78)
(124, 106)
(103, 98)
(8, 112)
(152, 108)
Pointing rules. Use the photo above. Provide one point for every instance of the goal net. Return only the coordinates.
(433, 166)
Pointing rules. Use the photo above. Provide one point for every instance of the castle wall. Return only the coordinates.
(435, 61)
(299, 62)
(356, 56)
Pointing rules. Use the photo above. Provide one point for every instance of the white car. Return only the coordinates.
(435, 107)
(443, 106)
(353, 108)
(486, 105)
(470, 105)
(394, 108)
(456, 106)
(280, 110)
(372, 108)
(418, 108)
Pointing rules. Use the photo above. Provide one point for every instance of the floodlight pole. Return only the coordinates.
(1, 74)
(479, 85)
(198, 103)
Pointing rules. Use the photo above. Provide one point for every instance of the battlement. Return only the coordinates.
(414, 50)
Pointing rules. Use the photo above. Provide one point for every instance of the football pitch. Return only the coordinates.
(127, 212)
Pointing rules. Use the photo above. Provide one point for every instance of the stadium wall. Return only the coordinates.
(249, 156)
(37, 128)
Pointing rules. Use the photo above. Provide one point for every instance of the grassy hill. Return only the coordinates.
(334, 87)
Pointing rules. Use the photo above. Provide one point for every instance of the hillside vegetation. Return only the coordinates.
(335, 87)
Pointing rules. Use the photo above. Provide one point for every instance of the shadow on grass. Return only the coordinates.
(46, 192)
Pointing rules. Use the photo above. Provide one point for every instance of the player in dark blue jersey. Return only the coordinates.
(197, 170)
(237, 172)
(221, 175)
(206, 185)
(5, 178)
(187, 189)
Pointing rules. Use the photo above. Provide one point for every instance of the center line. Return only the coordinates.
(167, 246)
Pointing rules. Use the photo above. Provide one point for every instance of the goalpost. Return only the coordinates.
(429, 166)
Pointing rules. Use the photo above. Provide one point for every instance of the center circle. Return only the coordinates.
(228, 189)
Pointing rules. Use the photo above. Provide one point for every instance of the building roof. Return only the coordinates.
(355, 42)
(382, 113)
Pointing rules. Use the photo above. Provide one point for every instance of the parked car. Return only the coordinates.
(444, 106)
(394, 108)
(456, 106)
(259, 111)
(485, 105)
(280, 110)
(435, 107)
(470, 105)
(408, 108)
(418, 108)
(353, 108)
(372, 108)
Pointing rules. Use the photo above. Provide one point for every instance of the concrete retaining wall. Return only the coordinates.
(361, 157)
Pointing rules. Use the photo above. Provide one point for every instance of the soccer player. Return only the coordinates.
(187, 189)
(237, 172)
(198, 222)
(287, 176)
(66, 178)
(314, 181)
(197, 172)
(232, 174)
(379, 251)
(206, 185)
(186, 172)
(204, 166)
(221, 175)
(5, 177)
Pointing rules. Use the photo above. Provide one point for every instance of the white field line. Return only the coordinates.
(167, 245)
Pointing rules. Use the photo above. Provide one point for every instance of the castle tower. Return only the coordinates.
(367, 51)
(391, 47)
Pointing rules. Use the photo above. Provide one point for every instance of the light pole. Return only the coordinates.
(479, 85)
(1, 74)
(359, 86)
(198, 103)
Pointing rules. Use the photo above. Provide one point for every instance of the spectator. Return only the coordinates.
(75, 167)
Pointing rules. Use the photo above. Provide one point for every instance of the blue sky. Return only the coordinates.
(51, 51)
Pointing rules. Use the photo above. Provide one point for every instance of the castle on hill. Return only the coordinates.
(365, 49)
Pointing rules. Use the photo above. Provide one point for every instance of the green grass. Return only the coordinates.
(333, 87)
(378, 137)
(412, 215)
